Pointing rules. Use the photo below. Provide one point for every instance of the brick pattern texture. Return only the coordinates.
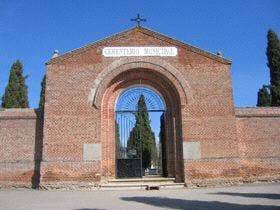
(81, 92)
(20, 146)
(259, 143)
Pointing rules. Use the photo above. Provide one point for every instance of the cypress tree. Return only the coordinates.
(273, 57)
(118, 141)
(15, 95)
(141, 137)
(42, 94)
(263, 97)
(162, 138)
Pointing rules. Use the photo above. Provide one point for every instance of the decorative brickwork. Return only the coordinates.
(208, 140)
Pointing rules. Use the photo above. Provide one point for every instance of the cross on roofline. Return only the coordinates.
(138, 20)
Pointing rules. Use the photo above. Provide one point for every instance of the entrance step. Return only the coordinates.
(145, 183)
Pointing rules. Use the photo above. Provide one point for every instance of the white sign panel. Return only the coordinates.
(139, 51)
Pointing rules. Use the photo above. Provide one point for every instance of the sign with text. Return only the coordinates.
(139, 51)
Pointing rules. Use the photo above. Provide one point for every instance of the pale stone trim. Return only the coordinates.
(91, 152)
(191, 150)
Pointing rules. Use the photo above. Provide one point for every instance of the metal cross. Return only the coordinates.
(138, 20)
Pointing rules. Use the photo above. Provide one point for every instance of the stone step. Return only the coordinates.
(140, 186)
(144, 179)
(142, 183)
(149, 183)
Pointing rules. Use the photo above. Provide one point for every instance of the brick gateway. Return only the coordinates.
(73, 140)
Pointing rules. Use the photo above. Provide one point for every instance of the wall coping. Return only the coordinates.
(257, 111)
(19, 113)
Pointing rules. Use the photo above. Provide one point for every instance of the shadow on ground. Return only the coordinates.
(89, 209)
(251, 195)
(174, 203)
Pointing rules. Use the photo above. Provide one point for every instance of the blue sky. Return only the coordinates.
(31, 30)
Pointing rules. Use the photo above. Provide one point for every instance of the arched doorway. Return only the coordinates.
(170, 90)
(140, 133)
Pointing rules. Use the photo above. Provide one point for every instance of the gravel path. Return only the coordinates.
(254, 196)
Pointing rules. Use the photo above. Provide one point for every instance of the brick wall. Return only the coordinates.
(208, 140)
(197, 84)
(20, 145)
(258, 132)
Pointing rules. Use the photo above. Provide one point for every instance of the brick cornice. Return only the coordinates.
(257, 112)
(19, 113)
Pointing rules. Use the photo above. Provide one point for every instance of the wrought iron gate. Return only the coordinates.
(129, 137)
(129, 157)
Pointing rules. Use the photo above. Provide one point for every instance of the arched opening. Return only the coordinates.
(166, 89)
(140, 133)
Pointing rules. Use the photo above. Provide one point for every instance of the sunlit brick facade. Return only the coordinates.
(209, 141)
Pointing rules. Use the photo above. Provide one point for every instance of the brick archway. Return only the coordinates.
(124, 64)
(174, 97)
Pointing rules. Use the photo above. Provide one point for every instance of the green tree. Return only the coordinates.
(162, 138)
(273, 57)
(42, 94)
(263, 97)
(15, 95)
(118, 141)
(142, 138)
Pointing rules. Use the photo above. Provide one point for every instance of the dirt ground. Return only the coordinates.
(253, 196)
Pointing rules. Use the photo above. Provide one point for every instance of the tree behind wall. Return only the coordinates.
(119, 148)
(15, 95)
(273, 57)
(42, 94)
(263, 97)
(143, 135)
(162, 137)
